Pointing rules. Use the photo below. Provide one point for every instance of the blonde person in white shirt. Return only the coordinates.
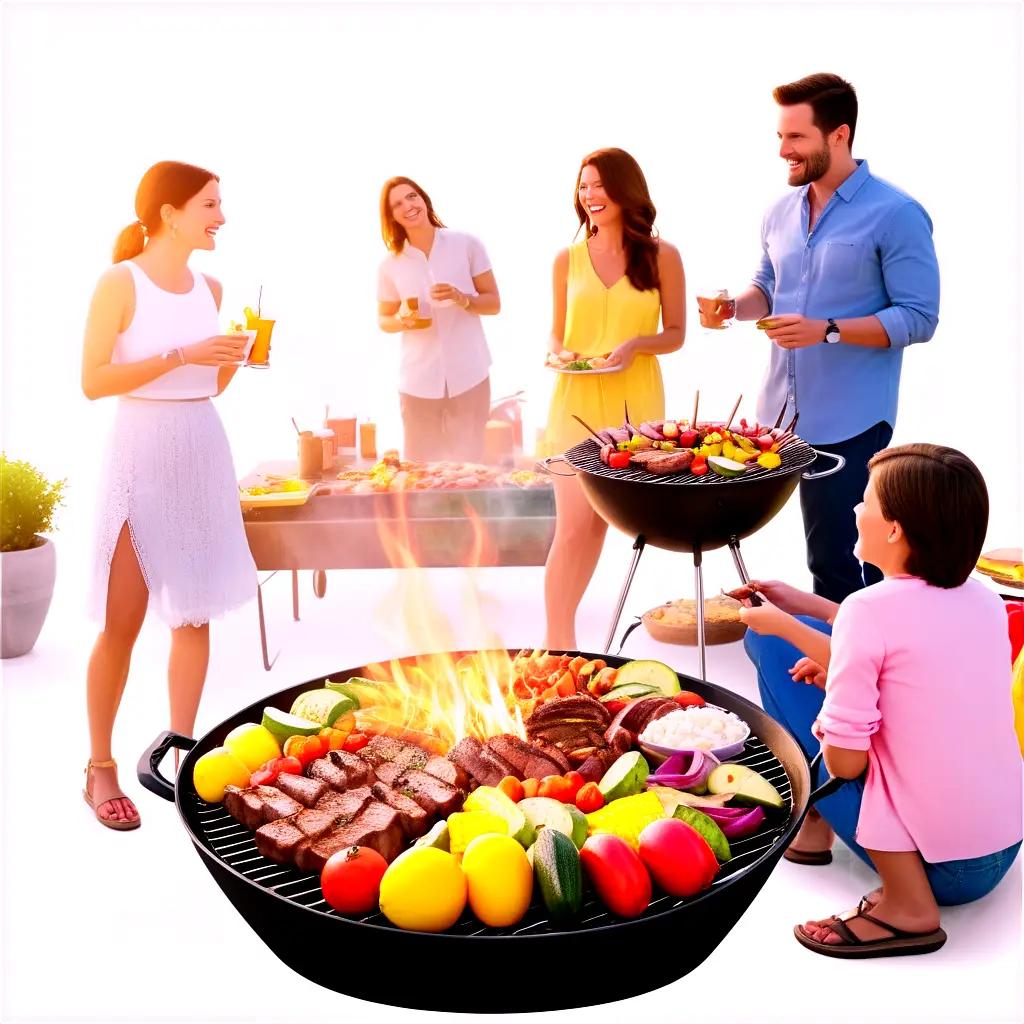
(444, 381)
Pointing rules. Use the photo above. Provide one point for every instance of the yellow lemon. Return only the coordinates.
(500, 879)
(216, 769)
(423, 890)
(252, 744)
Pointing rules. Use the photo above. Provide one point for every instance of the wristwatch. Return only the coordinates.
(831, 333)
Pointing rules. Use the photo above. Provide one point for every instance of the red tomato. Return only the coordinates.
(615, 706)
(576, 783)
(262, 776)
(689, 699)
(351, 879)
(618, 460)
(355, 741)
(557, 787)
(589, 798)
(678, 857)
(617, 873)
(288, 765)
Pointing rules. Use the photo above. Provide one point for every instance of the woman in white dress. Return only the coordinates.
(170, 534)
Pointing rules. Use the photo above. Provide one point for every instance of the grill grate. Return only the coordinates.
(235, 846)
(586, 457)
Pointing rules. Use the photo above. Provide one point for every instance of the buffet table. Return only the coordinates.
(505, 526)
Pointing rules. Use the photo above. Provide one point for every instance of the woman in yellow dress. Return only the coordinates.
(609, 290)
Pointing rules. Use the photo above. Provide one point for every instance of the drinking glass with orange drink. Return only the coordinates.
(716, 308)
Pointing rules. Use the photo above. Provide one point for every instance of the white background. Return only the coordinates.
(303, 111)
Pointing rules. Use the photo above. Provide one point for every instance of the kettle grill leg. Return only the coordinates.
(741, 568)
(698, 572)
(638, 550)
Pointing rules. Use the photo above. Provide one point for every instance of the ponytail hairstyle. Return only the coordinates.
(166, 182)
(626, 185)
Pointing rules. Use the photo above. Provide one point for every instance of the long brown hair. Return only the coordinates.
(391, 231)
(165, 182)
(939, 498)
(626, 186)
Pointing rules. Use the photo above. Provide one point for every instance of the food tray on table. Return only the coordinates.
(275, 493)
(1004, 567)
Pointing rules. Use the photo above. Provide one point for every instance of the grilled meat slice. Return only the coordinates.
(488, 754)
(528, 759)
(633, 716)
(378, 826)
(593, 768)
(569, 736)
(446, 771)
(325, 769)
(466, 754)
(412, 757)
(435, 796)
(381, 749)
(388, 772)
(359, 772)
(415, 820)
(298, 787)
(641, 458)
(582, 754)
(552, 753)
(580, 705)
(670, 462)
(258, 805)
(619, 740)
(659, 712)
(279, 840)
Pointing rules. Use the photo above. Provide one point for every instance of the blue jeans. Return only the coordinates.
(796, 706)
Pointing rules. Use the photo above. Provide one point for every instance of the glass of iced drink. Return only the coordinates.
(716, 308)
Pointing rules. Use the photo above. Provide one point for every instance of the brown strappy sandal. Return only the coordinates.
(115, 823)
(902, 943)
(795, 856)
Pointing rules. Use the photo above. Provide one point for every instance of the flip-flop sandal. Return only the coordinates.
(115, 823)
(902, 943)
(796, 856)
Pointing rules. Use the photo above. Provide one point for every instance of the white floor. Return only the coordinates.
(103, 926)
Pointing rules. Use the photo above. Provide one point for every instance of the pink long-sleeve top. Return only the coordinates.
(919, 679)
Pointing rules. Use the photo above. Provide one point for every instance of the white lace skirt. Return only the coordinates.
(168, 474)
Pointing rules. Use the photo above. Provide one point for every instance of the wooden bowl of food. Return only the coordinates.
(676, 621)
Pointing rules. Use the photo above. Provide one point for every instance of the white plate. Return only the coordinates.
(585, 373)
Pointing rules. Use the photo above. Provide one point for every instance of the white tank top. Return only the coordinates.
(164, 321)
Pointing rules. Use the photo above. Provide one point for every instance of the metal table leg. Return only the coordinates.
(698, 572)
(638, 550)
(295, 594)
(268, 662)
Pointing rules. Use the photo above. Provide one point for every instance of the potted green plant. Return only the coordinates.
(28, 561)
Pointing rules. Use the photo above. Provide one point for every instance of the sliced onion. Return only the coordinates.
(743, 825)
(685, 769)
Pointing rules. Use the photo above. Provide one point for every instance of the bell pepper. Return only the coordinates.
(699, 466)
(1015, 615)
(769, 460)
(618, 460)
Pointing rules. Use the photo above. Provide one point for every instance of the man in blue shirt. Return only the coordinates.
(849, 277)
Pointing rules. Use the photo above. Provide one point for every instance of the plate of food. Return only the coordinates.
(270, 491)
(572, 362)
(676, 621)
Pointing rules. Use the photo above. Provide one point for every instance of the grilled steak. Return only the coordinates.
(257, 805)
(552, 754)
(381, 749)
(633, 716)
(466, 754)
(530, 761)
(430, 792)
(446, 771)
(579, 706)
(324, 768)
(298, 787)
(388, 772)
(569, 736)
(412, 757)
(641, 458)
(415, 820)
(359, 772)
(378, 826)
(280, 839)
(488, 754)
(670, 462)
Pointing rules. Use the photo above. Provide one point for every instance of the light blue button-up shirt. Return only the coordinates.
(870, 253)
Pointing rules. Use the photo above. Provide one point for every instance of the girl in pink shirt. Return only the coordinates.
(916, 700)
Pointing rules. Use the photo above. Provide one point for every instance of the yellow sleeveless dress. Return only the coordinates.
(597, 319)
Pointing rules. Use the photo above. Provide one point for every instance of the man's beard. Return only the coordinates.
(815, 166)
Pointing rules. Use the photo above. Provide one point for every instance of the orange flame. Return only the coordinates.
(440, 698)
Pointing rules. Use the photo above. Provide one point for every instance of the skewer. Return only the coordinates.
(296, 426)
(696, 403)
(732, 415)
(778, 422)
(589, 430)
(626, 408)
(792, 425)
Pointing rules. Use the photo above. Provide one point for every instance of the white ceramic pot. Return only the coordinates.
(28, 578)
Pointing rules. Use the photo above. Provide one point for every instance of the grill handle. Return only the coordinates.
(545, 466)
(840, 462)
(148, 768)
(827, 788)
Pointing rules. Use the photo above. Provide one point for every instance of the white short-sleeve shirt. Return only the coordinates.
(452, 351)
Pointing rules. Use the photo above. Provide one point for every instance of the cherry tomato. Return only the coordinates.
(262, 776)
(678, 857)
(355, 741)
(699, 466)
(576, 783)
(689, 699)
(617, 873)
(288, 766)
(589, 798)
(615, 706)
(512, 788)
(351, 880)
(293, 746)
(618, 460)
(557, 787)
